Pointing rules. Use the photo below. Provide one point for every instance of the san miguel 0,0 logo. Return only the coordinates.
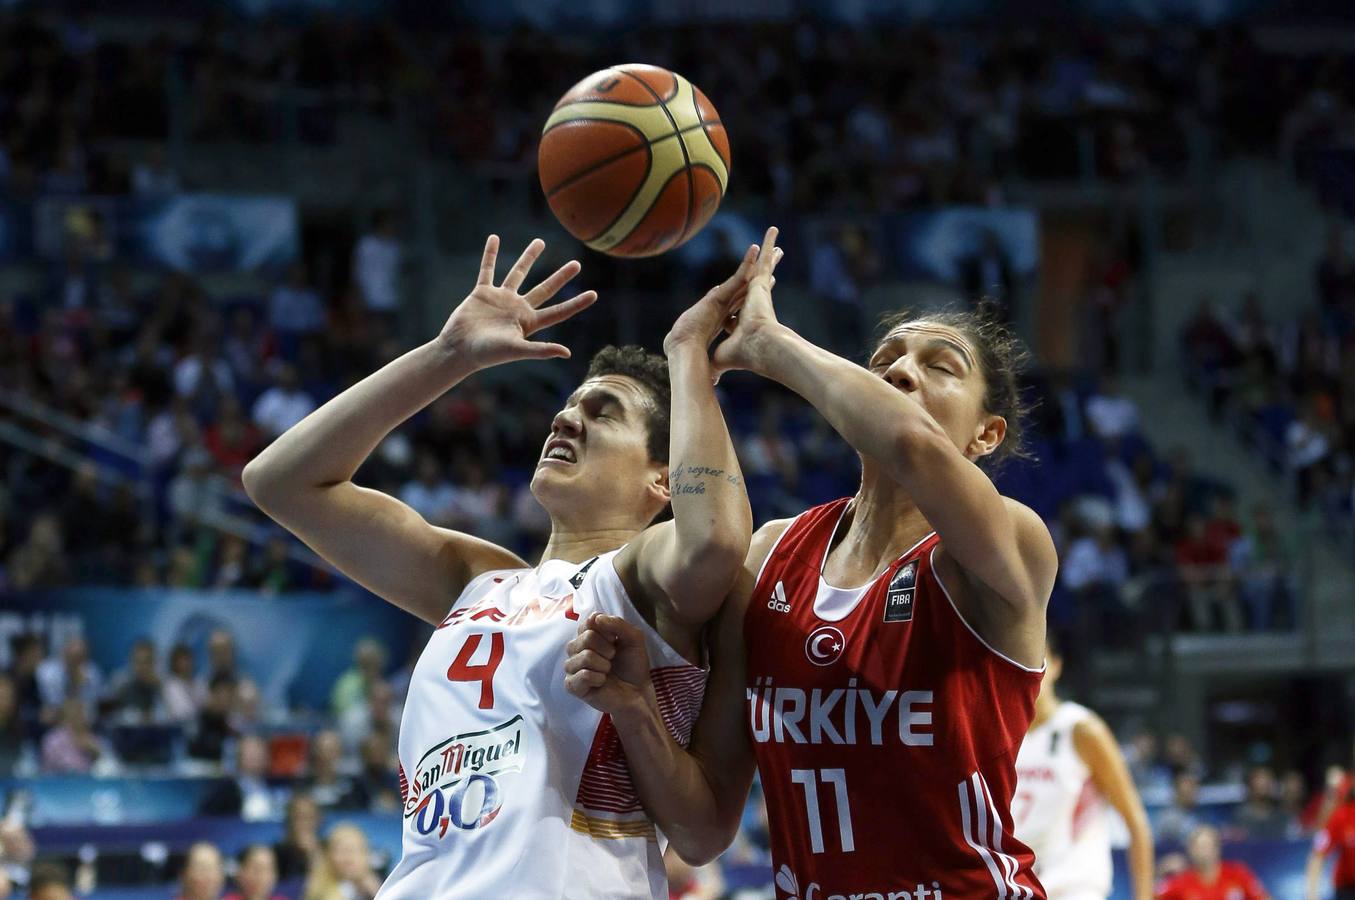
(454, 784)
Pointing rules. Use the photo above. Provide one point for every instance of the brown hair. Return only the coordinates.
(1002, 356)
(651, 371)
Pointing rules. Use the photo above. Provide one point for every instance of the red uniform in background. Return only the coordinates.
(1338, 836)
(1235, 882)
(885, 729)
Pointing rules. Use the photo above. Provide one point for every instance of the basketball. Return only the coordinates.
(634, 160)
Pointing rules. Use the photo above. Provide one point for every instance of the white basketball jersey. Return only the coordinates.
(512, 786)
(1059, 813)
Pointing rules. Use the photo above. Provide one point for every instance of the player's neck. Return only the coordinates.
(884, 522)
(1209, 874)
(578, 544)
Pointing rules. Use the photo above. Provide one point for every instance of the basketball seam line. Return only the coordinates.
(691, 182)
(686, 157)
(578, 176)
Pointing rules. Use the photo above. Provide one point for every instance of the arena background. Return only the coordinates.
(214, 218)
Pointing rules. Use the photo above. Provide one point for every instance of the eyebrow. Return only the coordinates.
(932, 343)
(601, 395)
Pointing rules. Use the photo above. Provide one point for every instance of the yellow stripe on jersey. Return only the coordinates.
(610, 829)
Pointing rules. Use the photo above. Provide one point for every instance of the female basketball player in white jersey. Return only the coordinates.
(880, 658)
(512, 787)
(1069, 768)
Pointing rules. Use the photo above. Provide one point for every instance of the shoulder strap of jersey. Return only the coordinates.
(808, 532)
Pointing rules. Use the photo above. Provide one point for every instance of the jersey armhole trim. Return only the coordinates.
(771, 551)
(640, 622)
(931, 559)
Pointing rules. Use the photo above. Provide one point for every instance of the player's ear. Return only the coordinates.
(658, 483)
(987, 437)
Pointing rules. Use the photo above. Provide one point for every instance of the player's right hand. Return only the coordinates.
(607, 666)
(493, 324)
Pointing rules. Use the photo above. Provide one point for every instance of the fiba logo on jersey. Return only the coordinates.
(899, 596)
(824, 645)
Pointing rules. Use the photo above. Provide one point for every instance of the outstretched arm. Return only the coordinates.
(1000, 542)
(1096, 745)
(303, 480)
(689, 564)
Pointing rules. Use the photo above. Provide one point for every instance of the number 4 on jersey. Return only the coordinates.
(462, 670)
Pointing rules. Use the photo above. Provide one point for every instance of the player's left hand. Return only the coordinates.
(754, 320)
(607, 666)
(701, 323)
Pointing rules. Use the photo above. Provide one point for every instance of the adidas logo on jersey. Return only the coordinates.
(778, 602)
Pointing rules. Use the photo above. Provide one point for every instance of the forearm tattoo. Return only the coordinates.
(685, 479)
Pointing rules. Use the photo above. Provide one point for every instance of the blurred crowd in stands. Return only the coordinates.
(927, 117)
(1289, 385)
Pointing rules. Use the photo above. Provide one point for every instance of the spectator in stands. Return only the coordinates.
(355, 685)
(376, 267)
(988, 272)
(300, 844)
(40, 560)
(182, 693)
(193, 497)
(27, 652)
(71, 747)
(282, 405)
(1336, 835)
(379, 714)
(429, 493)
(222, 660)
(73, 676)
(203, 376)
(275, 571)
(344, 871)
(256, 875)
(1294, 801)
(1202, 566)
(134, 693)
(1110, 413)
(49, 882)
(1260, 815)
(1307, 444)
(294, 309)
(233, 564)
(203, 876)
(1145, 766)
(1210, 877)
(1094, 571)
(247, 794)
(232, 439)
(327, 784)
(12, 734)
(1176, 823)
(379, 777)
(1262, 561)
(213, 726)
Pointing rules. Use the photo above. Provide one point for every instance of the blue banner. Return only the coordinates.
(212, 233)
(937, 244)
(294, 646)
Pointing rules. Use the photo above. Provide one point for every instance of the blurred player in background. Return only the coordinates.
(880, 658)
(1210, 877)
(510, 786)
(1336, 835)
(1069, 768)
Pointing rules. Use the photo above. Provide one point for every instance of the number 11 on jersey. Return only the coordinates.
(809, 779)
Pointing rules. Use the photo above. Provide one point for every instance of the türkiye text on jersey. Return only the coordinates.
(846, 715)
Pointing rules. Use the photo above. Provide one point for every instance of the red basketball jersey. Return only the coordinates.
(886, 731)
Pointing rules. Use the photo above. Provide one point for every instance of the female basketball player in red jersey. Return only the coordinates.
(880, 658)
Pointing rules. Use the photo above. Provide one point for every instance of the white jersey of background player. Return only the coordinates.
(512, 786)
(1069, 769)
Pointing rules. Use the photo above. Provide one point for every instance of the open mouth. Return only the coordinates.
(559, 453)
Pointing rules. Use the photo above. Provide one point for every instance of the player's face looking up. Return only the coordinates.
(938, 366)
(597, 456)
